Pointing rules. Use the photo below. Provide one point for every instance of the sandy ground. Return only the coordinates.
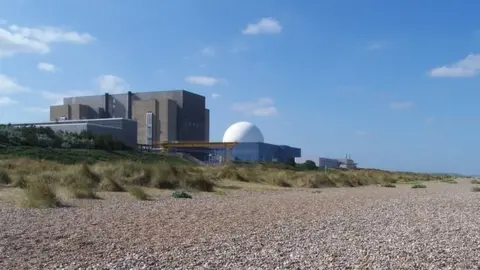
(343, 228)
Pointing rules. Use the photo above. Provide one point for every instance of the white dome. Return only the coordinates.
(243, 132)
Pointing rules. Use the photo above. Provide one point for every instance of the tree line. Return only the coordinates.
(48, 138)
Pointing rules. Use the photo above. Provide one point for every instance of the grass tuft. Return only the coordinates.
(40, 194)
(419, 186)
(138, 193)
(475, 189)
(389, 185)
(108, 184)
(5, 177)
(475, 181)
(83, 192)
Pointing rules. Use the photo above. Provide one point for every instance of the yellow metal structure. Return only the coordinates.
(168, 145)
(227, 146)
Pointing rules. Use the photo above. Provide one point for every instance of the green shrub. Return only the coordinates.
(389, 185)
(475, 181)
(419, 186)
(181, 195)
(476, 189)
(40, 194)
(138, 193)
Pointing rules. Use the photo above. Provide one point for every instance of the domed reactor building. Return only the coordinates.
(250, 145)
(242, 141)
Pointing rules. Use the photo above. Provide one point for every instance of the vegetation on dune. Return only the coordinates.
(389, 185)
(475, 181)
(40, 194)
(476, 189)
(419, 186)
(138, 193)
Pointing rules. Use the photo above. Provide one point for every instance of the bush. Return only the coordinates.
(475, 181)
(181, 195)
(476, 189)
(389, 185)
(310, 165)
(40, 194)
(419, 186)
(138, 193)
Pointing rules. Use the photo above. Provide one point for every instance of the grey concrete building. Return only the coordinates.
(122, 129)
(176, 115)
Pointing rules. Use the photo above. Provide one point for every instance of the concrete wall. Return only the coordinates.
(121, 129)
(207, 125)
(58, 111)
(140, 109)
(179, 114)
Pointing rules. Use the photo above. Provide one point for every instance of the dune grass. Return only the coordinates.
(475, 181)
(476, 189)
(85, 180)
(419, 186)
(40, 194)
(138, 193)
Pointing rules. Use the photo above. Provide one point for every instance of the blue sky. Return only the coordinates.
(393, 83)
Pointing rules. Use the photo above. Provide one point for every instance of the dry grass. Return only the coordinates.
(475, 181)
(40, 194)
(83, 181)
(138, 193)
(476, 189)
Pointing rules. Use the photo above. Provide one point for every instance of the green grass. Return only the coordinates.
(90, 156)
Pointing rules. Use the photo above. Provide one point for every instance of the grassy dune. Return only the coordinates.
(84, 180)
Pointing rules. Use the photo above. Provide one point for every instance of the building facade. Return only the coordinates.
(258, 152)
(176, 115)
(323, 162)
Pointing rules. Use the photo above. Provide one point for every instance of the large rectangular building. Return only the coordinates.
(176, 115)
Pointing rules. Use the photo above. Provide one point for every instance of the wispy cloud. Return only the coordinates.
(208, 51)
(202, 80)
(258, 107)
(215, 95)
(47, 67)
(112, 84)
(9, 85)
(266, 25)
(378, 45)
(402, 105)
(467, 67)
(4, 101)
(15, 39)
(361, 133)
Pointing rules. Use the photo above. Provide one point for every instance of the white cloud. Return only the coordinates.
(202, 80)
(467, 67)
(376, 46)
(263, 26)
(361, 133)
(112, 84)
(37, 110)
(259, 107)
(215, 95)
(401, 105)
(15, 39)
(208, 51)
(57, 97)
(4, 101)
(47, 67)
(9, 85)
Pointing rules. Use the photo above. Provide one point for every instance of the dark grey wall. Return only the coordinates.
(191, 118)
